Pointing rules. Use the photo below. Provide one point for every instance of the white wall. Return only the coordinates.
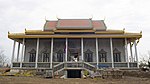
(59, 44)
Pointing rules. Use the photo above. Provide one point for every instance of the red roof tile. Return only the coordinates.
(99, 25)
(50, 25)
(75, 24)
(96, 24)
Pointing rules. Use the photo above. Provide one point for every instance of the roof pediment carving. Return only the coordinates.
(102, 51)
(60, 51)
(45, 50)
(88, 51)
(33, 51)
(116, 51)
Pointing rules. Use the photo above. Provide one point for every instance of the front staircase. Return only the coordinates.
(59, 68)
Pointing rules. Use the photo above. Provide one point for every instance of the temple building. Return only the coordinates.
(68, 46)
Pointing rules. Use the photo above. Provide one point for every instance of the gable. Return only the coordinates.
(74, 24)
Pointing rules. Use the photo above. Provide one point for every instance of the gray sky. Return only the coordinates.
(16, 15)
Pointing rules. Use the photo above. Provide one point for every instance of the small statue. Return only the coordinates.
(76, 58)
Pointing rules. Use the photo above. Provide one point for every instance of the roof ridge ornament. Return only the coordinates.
(25, 29)
(91, 17)
(8, 32)
(137, 41)
(140, 32)
(45, 18)
(104, 18)
(57, 17)
(123, 30)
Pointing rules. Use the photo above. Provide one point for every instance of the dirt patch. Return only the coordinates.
(129, 77)
(37, 80)
(141, 74)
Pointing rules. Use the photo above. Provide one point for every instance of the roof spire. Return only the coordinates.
(45, 18)
(123, 29)
(104, 18)
(57, 17)
(25, 29)
(140, 32)
(91, 17)
(8, 32)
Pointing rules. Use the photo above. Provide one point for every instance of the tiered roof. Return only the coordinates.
(73, 24)
(75, 28)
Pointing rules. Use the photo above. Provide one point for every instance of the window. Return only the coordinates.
(60, 56)
(88, 56)
(45, 57)
(32, 55)
(116, 55)
(102, 56)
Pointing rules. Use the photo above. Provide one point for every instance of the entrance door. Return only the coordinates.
(74, 73)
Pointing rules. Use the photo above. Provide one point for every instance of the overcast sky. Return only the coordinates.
(16, 15)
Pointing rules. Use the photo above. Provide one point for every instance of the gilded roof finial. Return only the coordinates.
(138, 41)
(140, 32)
(123, 29)
(25, 29)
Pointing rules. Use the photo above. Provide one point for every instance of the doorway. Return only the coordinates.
(73, 73)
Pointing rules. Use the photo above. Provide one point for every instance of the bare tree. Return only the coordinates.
(3, 58)
(145, 59)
